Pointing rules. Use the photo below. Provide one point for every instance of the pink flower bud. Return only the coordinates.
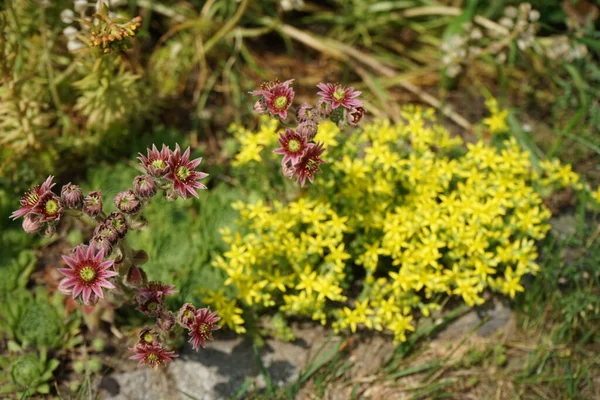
(144, 186)
(31, 223)
(166, 321)
(117, 221)
(92, 203)
(186, 315)
(128, 202)
(71, 195)
(308, 129)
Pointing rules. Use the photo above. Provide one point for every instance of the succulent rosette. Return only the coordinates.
(292, 147)
(338, 95)
(183, 174)
(308, 165)
(87, 273)
(32, 197)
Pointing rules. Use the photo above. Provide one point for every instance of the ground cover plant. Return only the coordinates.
(331, 198)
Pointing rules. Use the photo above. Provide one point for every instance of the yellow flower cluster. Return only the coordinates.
(496, 122)
(402, 217)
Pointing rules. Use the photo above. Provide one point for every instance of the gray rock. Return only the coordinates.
(217, 372)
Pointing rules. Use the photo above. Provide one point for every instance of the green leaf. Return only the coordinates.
(44, 388)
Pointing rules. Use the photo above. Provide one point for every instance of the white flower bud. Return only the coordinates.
(67, 16)
(70, 32)
(80, 5)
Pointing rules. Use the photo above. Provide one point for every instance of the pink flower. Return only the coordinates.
(87, 273)
(201, 328)
(183, 175)
(292, 146)
(157, 289)
(338, 95)
(32, 197)
(49, 207)
(157, 162)
(308, 165)
(151, 298)
(152, 355)
(277, 96)
(148, 337)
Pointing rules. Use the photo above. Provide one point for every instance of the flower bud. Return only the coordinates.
(71, 195)
(101, 242)
(170, 194)
(32, 223)
(136, 277)
(337, 115)
(144, 186)
(186, 315)
(166, 321)
(308, 129)
(49, 230)
(117, 221)
(128, 202)
(80, 5)
(306, 112)
(260, 107)
(354, 115)
(108, 231)
(92, 203)
(324, 108)
(140, 257)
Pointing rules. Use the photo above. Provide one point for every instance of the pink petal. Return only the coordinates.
(77, 290)
(104, 283)
(98, 291)
(68, 272)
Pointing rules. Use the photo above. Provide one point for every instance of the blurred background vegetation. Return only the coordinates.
(68, 110)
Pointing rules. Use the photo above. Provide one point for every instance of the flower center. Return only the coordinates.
(152, 357)
(158, 163)
(87, 274)
(280, 102)
(339, 94)
(148, 338)
(189, 314)
(294, 145)
(51, 207)
(205, 330)
(32, 197)
(183, 173)
(153, 305)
